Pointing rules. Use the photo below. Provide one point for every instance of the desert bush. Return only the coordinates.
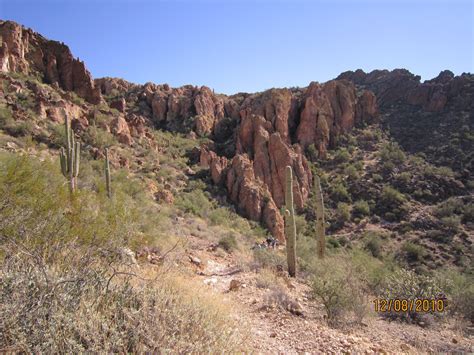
(15, 128)
(367, 136)
(196, 202)
(451, 223)
(91, 308)
(377, 178)
(337, 283)
(339, 192)
(6, 115)
(52, 300)
(342, 156)
(460, 291)
(312, 152)
(406, 284)
(361, 208)
(373, 271)
(351, 172)
(278, 297)
(391, 152)
(373, 244)
(449, 207)
(267, 278)
(413, 252)
(391, 204)
(343, 213)
(228, 242)
(264, 258)
(98, 137)
(468, 213)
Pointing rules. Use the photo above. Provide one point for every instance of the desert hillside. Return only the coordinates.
(134, 217)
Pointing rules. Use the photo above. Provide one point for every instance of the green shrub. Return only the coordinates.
(460, 291)
(87, 291)
(361, 208)
(449, 207)
(195, 202)
(339, 192)
(405, 284)
(312, 153)
(351, 172)
(337, 283)
(342, 156)
(343, 213)
(373, 244)
(6, 116)
(391, 152)
(15, 128)
(228, 242)
(391, 204)
(451, 223)
(98, 137)
(377, 178)
(468, 213)
(413, 252)
(264, 258)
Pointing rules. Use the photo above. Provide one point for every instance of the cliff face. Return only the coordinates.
(273, 129)
(27, 52)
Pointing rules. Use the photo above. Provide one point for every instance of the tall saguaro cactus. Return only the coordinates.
(290, 225)
(107, 173)
(70, 157)
(320, 228)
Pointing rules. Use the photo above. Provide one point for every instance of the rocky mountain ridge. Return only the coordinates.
(253, 136)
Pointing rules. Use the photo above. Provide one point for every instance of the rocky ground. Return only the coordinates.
(284, 319)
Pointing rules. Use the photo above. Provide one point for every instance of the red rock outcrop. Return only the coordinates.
(173, 108)
(401, 86)
(113, 86)
(25, 51)
(252, 196)
(274, 127)
(216, 164)
(119, 127)
(331, 109)
(119, 104)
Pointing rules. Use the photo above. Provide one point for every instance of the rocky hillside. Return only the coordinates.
(435, 117)
(394, 156)
(247, 139)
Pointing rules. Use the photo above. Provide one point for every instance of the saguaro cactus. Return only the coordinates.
(320, 227)
(70, 157)
(107, 173)
(290, 225)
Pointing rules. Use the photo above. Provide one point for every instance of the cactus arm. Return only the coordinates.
(290, 225)
(63, 161)
(68, 134)
(320, 227)
(70, 156)
(107, 174)
(77, 158)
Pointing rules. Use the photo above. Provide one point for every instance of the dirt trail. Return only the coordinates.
(274, 328)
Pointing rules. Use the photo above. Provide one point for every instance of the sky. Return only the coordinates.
(252, 45)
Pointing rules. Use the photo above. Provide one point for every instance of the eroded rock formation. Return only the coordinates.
(27, 52)
(401, 86)
(274, 129)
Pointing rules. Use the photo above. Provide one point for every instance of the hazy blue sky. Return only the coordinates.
(250, 46)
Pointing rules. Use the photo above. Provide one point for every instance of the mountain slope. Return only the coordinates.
(191, 163)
